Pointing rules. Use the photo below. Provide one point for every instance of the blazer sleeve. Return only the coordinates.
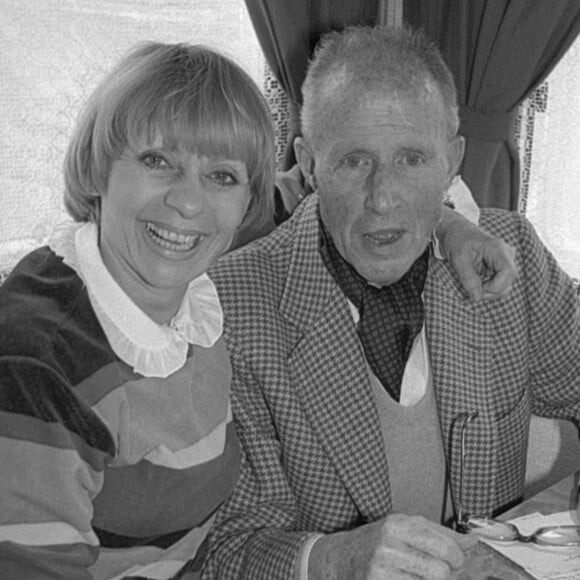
(252, 537)
(554, 327)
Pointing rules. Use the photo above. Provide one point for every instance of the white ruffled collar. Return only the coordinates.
(151, 349)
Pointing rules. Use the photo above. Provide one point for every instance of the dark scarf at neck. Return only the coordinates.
(390, 317)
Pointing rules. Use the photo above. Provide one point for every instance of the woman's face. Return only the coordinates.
(167, 215)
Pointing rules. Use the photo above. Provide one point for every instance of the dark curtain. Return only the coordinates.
(499, 51)
(288, 31)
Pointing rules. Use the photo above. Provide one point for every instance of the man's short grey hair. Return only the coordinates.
(358, 59)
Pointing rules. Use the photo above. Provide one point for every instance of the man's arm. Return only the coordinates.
(554, 320)
(255, 535)
(484, 264)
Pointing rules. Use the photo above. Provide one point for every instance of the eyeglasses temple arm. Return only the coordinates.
(463, 418)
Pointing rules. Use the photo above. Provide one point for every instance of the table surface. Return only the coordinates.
(559, 497)
(487, 564)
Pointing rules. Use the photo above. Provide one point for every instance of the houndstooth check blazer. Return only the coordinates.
(313, 456)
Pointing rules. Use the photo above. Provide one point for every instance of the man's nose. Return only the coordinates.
(187, 195)
(384, 191)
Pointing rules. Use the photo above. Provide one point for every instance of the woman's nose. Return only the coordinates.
(186, 196)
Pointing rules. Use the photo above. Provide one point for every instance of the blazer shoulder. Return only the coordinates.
(255, 274)
(511, 226)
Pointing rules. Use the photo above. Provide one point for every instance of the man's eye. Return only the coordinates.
(223, 177)
(354, 161)
(413, 159)
(155, 161)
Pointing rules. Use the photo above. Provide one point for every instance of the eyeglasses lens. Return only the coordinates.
(558, 536)
(491, 529)
(495, 530)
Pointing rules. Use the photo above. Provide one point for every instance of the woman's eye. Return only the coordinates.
(224, 177)
(155, 161)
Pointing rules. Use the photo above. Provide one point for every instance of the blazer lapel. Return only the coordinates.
(330, 374)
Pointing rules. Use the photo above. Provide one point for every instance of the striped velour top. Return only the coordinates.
(106, 473)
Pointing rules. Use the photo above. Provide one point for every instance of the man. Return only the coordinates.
(359, 363)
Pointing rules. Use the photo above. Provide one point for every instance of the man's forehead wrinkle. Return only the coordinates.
(339, 83)
(387, 109)
(386, 112)
(376, 101)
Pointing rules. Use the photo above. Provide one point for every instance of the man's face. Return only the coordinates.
(381, 173)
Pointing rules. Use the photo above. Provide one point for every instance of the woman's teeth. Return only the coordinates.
(171, 240)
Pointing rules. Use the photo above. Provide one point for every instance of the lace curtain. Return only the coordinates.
(53, 54)
(548, 133)
(280, 108)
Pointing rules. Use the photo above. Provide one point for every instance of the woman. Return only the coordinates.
(117, 441)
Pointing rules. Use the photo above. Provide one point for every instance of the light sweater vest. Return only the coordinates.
(414, 449)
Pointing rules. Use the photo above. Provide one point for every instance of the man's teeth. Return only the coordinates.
(384, 238)
(172, 240)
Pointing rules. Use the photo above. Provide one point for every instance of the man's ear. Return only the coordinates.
(305, 159)
(455, 154)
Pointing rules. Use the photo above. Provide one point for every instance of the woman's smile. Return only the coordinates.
(170, 240)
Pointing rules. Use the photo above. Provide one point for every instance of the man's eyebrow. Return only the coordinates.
(341, 149)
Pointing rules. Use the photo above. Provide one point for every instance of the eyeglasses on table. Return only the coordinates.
(496, 530)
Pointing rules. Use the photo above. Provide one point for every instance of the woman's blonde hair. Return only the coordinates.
(194, 98)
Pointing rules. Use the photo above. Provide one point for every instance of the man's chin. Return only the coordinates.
(385, 274)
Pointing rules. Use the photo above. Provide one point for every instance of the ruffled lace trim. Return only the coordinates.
(151, 349)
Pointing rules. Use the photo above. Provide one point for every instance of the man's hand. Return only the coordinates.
(485, 265)
(394, 548)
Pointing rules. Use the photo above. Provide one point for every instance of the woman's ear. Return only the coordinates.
(305, 159)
